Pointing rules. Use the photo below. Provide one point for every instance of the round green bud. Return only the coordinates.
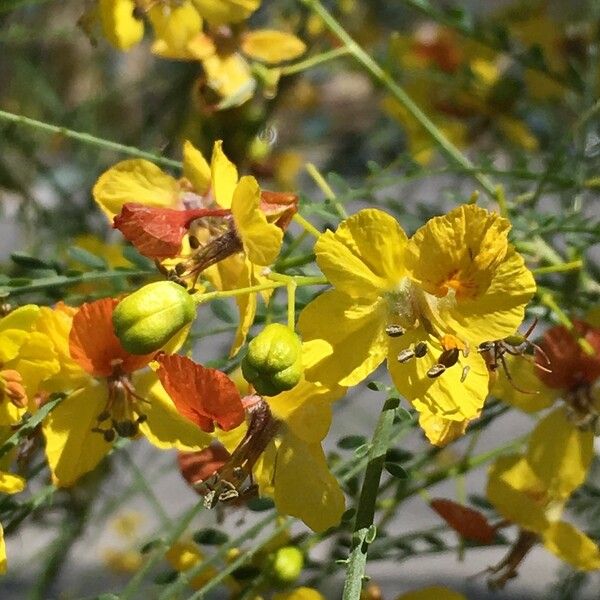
(287, 563)
(147, 319)
(273, 363)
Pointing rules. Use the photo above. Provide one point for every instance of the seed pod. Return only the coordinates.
(147, 319)
(273, 362)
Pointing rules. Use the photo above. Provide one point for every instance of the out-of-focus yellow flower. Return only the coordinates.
(9, 484)
(434, 592)
(424, 303)
(301, 593)
(221, 12)
(123, 561)
(27, 359)
(531, 490)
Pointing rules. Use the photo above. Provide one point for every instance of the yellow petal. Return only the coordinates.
(165, 427)
(440, 431)
(134, 180)
(230, 76)
(272, 46)
(121, 28)
(72, 448)
(306, 409)
(445, 396)
(560, 454)
(304, 486)
(261, 240)
(174, 28)
(353, 337)
(220, 12)
(434, 592)
(3, 563)
(37, 361)
(11, 484)
(572, 545)
(224, 176)
(9, 413)
(11, 341)
(301, 593)
(522, 377)
(195, 168)
(365, 255)
(23, 318)
(513, 489)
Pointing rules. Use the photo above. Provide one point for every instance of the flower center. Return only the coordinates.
(122, 414)
(464, 286)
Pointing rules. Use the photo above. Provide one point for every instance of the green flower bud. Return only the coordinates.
(147, 319)
(273, 363)
(286, 565)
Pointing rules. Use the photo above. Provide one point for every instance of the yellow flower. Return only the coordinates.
(424, 303)
(27, 358)
(120, 24)
(531, 490)
(301, 593)
(107, 396)
(221, 12)
(9, 484)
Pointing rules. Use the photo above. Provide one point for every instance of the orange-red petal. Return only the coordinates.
(94, 345)
(204, 396)
(468, 522)
(198, 466)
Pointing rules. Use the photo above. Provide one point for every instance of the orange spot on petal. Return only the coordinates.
(94, 345)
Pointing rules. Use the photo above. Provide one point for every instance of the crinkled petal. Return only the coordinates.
(121, 28)
(22, 318)
(165, 427)
(560, 454)
(224, 176)
(304, 486)
(230, 77)
(365, 255)
(572, 545)
(72, 448)
(272, 46)
(353, 340)
(261, 239)
(138, 181)
(444, 396)
(196, 168)
(440, 431)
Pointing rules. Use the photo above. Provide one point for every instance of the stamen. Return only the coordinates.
(436, 371)
(405, 355)
(420, 349)
(449, 358)
(395, 330)
(194, 242)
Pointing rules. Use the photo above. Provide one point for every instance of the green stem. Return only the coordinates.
(44, 283)
(574, 265)
(291, 305)
(307, 225)
(326, 189)
(447, 147)
(314, 61)
(89, 139)
(364, 532)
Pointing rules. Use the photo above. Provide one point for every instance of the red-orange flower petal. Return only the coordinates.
(199, 466)
(569, 366)
(204, 396)
(468, 522)
(94, 345)
(158, 232)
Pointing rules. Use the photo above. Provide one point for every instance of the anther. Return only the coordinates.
(395, 330)
(485, 347)
(109, 435)
(405, 355)
(449, 358)
(194, 242)
(436, 371)
(420, 349)
(141, 419)
(125, 429)
(103, 416)
(180, 268)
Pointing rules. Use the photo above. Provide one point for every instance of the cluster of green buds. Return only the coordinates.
(148, 319)
(273, 363)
